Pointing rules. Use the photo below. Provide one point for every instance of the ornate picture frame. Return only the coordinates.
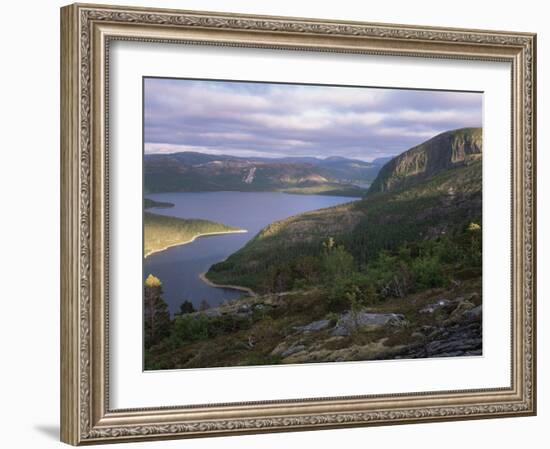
(87, 32)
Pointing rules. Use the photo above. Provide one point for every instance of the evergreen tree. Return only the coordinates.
(337, 262)
(186, 307)
(155, 312)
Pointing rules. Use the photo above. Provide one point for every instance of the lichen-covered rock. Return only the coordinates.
(372, 351)
(473, 314)
(292, 350)
(463, 339)
(287, 348)
(442, 152)
(350, 322)
(313, 327)
(458, 313)
(431, 308)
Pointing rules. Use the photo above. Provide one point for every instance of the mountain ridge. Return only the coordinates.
(193, 171)
(444, 151)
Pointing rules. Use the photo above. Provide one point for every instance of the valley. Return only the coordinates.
(394, 274)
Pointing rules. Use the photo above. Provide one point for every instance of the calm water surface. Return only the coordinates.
(179, 267)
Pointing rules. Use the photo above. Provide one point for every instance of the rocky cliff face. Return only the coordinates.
(444, 151)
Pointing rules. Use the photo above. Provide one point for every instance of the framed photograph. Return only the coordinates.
(279, 224)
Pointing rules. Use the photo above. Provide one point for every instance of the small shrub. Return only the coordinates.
(332, 318)
(389, 276)
(336, 261)
(354, 291)
(188, 328)
(428, 273)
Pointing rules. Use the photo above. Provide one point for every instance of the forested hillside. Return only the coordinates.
(429, 208)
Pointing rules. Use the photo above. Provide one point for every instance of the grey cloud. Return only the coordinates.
(273, 119)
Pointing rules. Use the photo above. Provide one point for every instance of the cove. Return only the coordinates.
(180, 267)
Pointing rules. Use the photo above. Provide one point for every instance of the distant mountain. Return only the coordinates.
(444, 151)
(379, 161)
(335, 168)
(192, 171)
(289, 159)
(350, 170)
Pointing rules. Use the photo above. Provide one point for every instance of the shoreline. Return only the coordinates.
(192, 239)
(207, 281)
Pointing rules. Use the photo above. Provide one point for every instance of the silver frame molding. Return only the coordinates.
(86, 32)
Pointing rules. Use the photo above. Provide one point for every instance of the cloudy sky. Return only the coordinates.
(273, 120)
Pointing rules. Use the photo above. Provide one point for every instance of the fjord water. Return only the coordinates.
(179, 267)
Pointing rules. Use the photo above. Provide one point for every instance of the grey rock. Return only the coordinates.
(431, 308)
(340, 331)
(473, 314)
(453, 345)
(473, 352)
(313, 327)
(376, 319)
(462, 339)
(451, 354)
(418, 335)
(458, 313)
(244, 309)
(292, 350)
(280, 348)
(350, 322)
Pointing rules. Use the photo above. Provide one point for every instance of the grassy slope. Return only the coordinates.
(380, 221)
(162, 232)
(332, 189)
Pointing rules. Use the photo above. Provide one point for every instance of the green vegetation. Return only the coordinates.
(156, 317)
(161, 232)
(266, 332)
(328, 189)
(411, 277)
(186, 307)
(409, 268)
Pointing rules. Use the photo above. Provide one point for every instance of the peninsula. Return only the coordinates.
(161, 232)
